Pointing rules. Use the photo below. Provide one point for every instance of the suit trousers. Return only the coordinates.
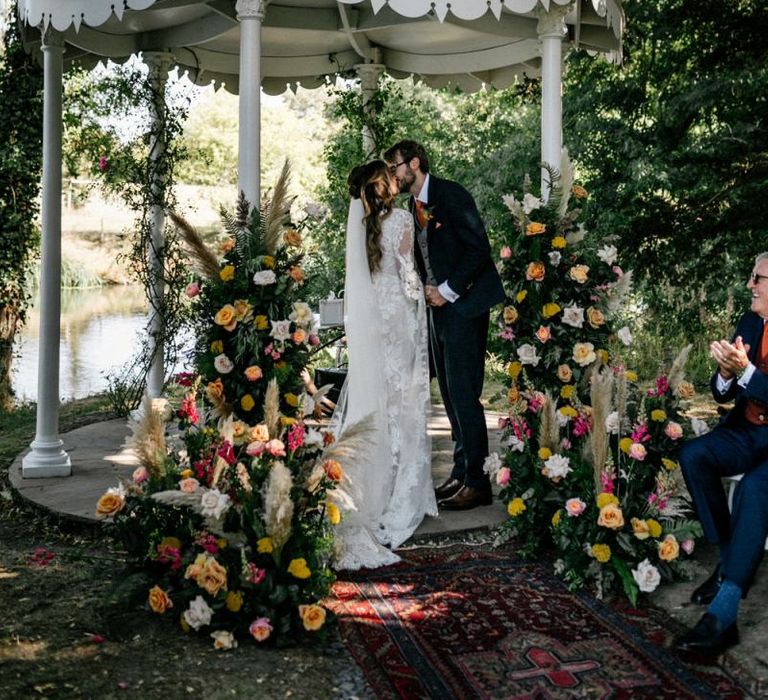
(457, 346)
(735, 447)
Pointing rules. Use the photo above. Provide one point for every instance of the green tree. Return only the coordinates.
(21, 83)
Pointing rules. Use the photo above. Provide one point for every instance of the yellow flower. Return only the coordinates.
(535, 228)
(658, 415)
(630, 375)
(601, 552)
(544, 453)
(579, 191)
(217, 347)
(611, 517)
(604, 356)
(559, 242)
(605, 498)
(654, 528)
(624, 444)
(521, 295)
(550, 309)
(567, 391)
(669, 464)
(312, 617)
(226, 316)
(285, 421)
(669, 549)
(269, 261)
(333, 513)
(291, 399)
(234, 601)
(298, 568)
(514, 369)
(515, 507)
(184, 475)
(227, 273)
(159, 601)
(261, 322)
(556, 518)
(264, 545)
(568, 411)
(247, 402)
(640, 528)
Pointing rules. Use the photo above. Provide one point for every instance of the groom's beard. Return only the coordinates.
(406, 181)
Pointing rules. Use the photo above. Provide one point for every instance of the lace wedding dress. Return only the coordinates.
(387, 386)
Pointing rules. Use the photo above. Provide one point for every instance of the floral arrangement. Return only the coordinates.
(588, 461)
(232, 510)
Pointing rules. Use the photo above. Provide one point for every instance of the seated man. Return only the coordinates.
(738, 445)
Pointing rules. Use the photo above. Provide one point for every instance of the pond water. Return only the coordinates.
(99, 331)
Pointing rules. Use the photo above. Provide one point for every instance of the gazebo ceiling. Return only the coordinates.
(461, 42)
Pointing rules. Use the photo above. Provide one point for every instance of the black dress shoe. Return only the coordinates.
(448, 488)
(707, 591)
(708, 637)
(468, 497)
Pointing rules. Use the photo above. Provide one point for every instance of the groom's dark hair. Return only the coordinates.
(408, 150)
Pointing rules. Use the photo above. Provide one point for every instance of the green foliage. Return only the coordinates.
(21, 83)
(674, 147)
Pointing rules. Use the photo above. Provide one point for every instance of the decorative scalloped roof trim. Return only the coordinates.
(63, 14)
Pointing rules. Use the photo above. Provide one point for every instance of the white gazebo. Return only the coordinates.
(273, 45)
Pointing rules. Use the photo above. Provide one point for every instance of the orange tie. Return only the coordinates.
(421, 215)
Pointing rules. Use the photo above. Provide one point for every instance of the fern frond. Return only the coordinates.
(204, 260)
(555, 191)
(276, 211)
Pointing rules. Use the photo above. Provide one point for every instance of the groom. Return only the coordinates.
(461, 284)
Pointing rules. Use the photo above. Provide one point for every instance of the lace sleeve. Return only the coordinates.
(406, 270)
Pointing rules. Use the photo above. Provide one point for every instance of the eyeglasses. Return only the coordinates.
(756, 278)
(393, 168)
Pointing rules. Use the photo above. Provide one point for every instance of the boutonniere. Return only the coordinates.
(424, 214)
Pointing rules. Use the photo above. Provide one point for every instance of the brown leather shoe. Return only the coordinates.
(448, 488)
(468, 497)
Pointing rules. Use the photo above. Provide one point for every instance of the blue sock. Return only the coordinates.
(725, 606)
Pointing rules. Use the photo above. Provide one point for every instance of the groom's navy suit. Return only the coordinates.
(737, 445)
(459, 254)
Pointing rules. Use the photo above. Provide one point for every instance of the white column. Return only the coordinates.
(551, 30)
(251, 15)
(369, 74)
(158, 64)
(47, 457)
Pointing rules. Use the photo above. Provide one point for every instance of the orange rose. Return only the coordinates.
(312, 616)
(227, 245)
(669, 549)
(579, 192)
(253, 373)
(333, 470)
(292, 237)
(543, 334)
(535, 228)
(213, 577)
(299, 336)
(110, 503)
(159, 601)
(535, 271)
(297, 274)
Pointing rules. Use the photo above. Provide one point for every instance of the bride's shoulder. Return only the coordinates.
(401, 215)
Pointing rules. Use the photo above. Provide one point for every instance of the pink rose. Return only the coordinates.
(505, 253)
(543, 334)
(673, 431)
(255, 448)
(575, 507)
(260, 629)
(140, 475)
(189, 485)
(276, 448)
(687, 546)
(314, 340)
(192, 290)
(637, 451)
(502, 476)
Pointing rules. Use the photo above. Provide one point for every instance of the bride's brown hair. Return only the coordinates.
(371, 183)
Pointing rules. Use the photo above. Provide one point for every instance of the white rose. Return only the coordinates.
(573, 316)
(527, 355)
(264, 277)
(281, 330)
(198, 614)
(699, 426)
(492, 464)
(530, 202)
(576, 236)
(554, 258)
(584, 354)
(557, 466)
(223, 364)
(608, 254)
(223, 640)
(646, 576)
(213, 503)
(625, 335)
(612, 423)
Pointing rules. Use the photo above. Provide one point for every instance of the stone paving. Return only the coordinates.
(100, 459)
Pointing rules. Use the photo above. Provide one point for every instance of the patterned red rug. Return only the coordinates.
(473, 623)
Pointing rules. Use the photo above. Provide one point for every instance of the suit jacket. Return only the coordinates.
(459, 251)
(750, 328)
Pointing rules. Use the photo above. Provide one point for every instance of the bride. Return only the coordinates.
(388, 376)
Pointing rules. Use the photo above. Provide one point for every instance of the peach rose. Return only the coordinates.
(637, 451)
(535, 228)
(227, 245)
(299, 336)
(611, 517)
(564, 373)
(297, 274)
(111, 503)
(685, 390)
(189, 485)
(640, 528)
(669, 549)
(312, 617)
(543, 334)
(215, 391)
(595, 317)
(579, 273)
(333, 470)
(259, 433)
(579, 192)
(260, 629)
(159, 601)
(584, 354)
(674, 431)
(535, 271)
(510, 315)
(292, 237)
